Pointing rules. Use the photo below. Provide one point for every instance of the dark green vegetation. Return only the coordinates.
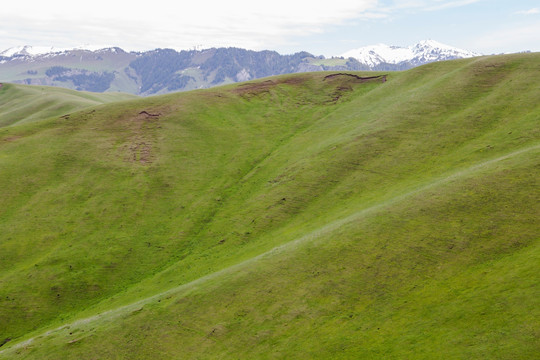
(302, 216)
(82, 79)
(22, 104)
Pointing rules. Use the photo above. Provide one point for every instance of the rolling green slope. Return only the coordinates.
(21, 104)
(317, 215)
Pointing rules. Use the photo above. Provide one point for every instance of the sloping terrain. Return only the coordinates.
(318, 215)
(22, 104)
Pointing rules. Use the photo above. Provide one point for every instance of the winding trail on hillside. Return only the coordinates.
(111, 315)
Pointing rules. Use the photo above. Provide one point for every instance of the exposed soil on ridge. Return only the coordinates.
(147, 114)
(362, 79)
(12, 138)
(140, 145)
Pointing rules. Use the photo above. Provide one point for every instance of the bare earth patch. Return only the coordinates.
(142, 126)
(12, 138)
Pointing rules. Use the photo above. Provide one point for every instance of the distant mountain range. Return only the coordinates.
(165, 70)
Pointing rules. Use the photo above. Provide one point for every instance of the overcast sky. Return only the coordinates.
(287, 26)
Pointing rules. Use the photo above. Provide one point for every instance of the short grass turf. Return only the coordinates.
(300, 216)
(22, 104)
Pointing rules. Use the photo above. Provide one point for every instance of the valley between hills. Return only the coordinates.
(321, 215)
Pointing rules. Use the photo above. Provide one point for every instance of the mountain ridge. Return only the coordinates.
(161, 71)
(421, 53)
(29, 50)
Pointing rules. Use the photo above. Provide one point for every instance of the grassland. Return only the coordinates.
(300, 216)
(22, 104)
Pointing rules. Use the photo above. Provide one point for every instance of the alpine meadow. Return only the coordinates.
(320, 215)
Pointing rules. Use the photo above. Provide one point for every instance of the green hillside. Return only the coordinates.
(21, 104)
(320, 215)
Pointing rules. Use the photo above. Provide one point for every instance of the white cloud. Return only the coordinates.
(532, 11)
(445, 4)
(509, 40)
(142, 25)
(424, 5)
(136, 25)
(393, 8)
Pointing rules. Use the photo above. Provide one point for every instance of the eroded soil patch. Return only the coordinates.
(12, 138)
(337, 85)
(139, 148)
(381, 78)
(147, 114)
(251, 89)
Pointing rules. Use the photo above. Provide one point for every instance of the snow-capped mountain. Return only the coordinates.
(424, 52)
(27, 50)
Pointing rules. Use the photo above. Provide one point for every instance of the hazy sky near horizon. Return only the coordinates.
(327, 28)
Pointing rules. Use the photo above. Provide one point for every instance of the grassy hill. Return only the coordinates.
(318, 215)
(21, 104)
